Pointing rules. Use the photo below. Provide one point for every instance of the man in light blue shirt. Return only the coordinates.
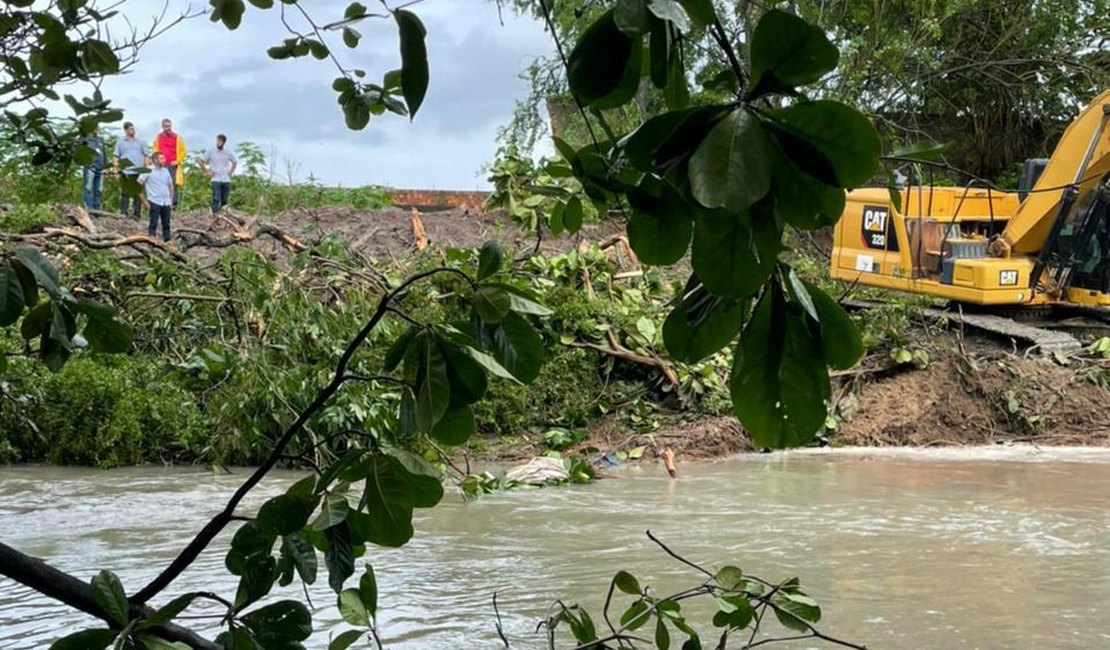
(131, 154)
(219, 165)
(158, 189)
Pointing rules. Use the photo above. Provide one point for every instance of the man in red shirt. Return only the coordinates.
(172, 147)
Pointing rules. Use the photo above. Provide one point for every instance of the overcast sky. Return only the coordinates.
(209, 80)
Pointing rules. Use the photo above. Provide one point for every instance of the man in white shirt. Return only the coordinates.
(158, 190)
(219, 165)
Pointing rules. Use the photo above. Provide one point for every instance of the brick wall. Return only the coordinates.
(431, 200)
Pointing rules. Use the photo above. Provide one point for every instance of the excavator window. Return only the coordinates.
(1030, 172)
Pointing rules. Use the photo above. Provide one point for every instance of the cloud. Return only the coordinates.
(210, 80)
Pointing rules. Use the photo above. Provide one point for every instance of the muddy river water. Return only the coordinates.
(970, 548)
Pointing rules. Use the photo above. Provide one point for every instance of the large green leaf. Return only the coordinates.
(731, 168)
(433, 393)
(346, 640)
(285, 514)
(787, 51)
(670, 11)
(803, 201)
(514, 345)
(333, 513)
(700, 11)
(830, 141)
(456, 426)
(44, 272)
(603, 69)
(108, 593)
(840, 338)
(659, 229)
(169, 611)
(11, 296)
(734, 254)
(491, 304)
(98, 57)
(86, 640)
(640, 145)
(794, 609)
(303, 555)
(368, 590)
(489, 259)
(390, 495)
(104, 330)
(701, 323)
(285, 620)
(779, 381)
(339, 557)
(465, 376)
(632, 17)
(414, 59)
(258, 577)
(351, 608)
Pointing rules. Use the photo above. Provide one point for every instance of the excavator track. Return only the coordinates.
(1041, 338)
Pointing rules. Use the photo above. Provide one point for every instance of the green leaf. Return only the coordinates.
(627, 583)
(731, 168)
(779, 381)
(840, 338)
(830, 141)
(351, 608)
(603, 69)
(27, 282)
(333, 513)
(803, 201)
(356, 114)
(86, 640)
(734, 254)
(787, 51)
(105, 332)
(489, 259)
(303, 555)
(465, 376)
(433, 393)
(794, 609)
(521, 301)
(346, 640)
(258, 577)
(263, 4)
(635, 616)
(351, 37)
(455, 427)
(339, 556)
(168, 612)
(676, 93)
(37, 321)
(659, 230)
(700, 11)
(368, 591)
(670, 11)
(414, 59)
(44, 272)
(701, 323)
(98, 57)
(491, 304)
(396, 352)
(390, 495)
(285, 514)
(514, 345)
(662, 636)
(632, 17)
(572, 215)
(230, 12)
(108, 593)
(736, 612)
(11, 296)
(924, 150)
(640, 145)
(285, 620)
(730, 578)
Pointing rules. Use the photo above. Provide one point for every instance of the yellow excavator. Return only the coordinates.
(1046, 244)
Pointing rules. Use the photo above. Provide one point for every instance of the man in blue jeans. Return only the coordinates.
(158, 188)
(92, 174)
(219, 165)
(133, 154)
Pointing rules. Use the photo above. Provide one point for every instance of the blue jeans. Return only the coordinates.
(90, 189)
(221, 191)
(159, 212)
(129, 204)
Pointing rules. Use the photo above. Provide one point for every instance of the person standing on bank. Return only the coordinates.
(92, 175)
(172, 147)
(219, 165)
(158, 189)
(131, 151)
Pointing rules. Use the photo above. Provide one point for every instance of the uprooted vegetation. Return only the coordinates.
(236, 324)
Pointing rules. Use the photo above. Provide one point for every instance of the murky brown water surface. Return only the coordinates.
(995, 548)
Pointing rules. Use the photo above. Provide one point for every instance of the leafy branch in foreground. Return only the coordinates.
(743, 601)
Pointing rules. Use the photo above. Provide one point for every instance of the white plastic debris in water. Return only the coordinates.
(539, 471)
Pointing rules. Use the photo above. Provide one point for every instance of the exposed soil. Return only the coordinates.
(378, 234)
